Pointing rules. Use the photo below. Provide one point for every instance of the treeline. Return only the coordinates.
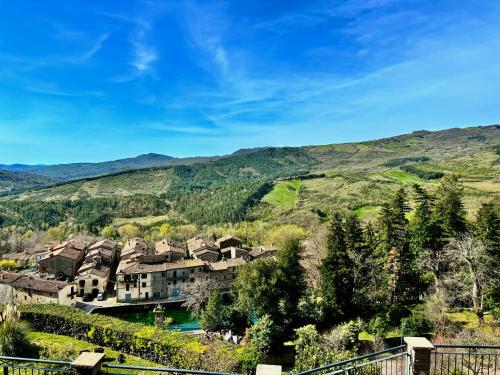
(94, 213)
(397, 162)
(422, 173)
(218, 203)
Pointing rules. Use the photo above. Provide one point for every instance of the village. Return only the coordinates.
(79, 273)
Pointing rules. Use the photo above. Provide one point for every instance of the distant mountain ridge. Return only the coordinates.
(434, 144)
(75, 171)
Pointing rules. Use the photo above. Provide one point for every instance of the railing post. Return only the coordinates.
(419, 349)
(5, 370)
(268, 370)
(88, 363)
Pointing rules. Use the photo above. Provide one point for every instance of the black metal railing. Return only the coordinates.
(392, 361)
(31, 366)
(465, 360)
(124, 370)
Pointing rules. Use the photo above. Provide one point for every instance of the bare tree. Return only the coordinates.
(198, 293)
(472, 271)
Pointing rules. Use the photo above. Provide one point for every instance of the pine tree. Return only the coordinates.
(336, 282)
(400, 276)
(449, 211)
(487, 227)
(290, 276)
(425, 240)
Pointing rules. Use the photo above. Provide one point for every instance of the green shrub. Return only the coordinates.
(169, 348)
(495, 312)
(379, 326)
(417, 324)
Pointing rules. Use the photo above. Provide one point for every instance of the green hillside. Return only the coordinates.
(249, 185)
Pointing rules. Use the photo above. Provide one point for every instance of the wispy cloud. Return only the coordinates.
(96, 47)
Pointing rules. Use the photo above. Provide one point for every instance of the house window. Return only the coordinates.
(82, 283)
(144, 276)
(143, 285)
(192, 279)
(135, 285)
(192, 270)
(95, 282)
(163, 274)
(175, 282)
(127, 287)
(175, 273)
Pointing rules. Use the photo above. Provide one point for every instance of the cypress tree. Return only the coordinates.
(336, 282)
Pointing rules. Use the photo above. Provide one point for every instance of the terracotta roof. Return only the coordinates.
(8, 277)
(104, 244)
(89, 269)
(204, 251)
(134, 266)
(135, 245)
(165, 246)
(70, 249)
(227, 237)
(42, 285)
(228, 263)
(256, 252)
(199, 243)
(17, 256)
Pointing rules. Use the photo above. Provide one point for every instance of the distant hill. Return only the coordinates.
(12, 181)
(75, 171)
(20, 167)
(290, 184)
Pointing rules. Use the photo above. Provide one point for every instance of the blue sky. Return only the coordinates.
(100, 80)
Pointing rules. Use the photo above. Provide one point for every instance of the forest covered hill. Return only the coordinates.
(292, 184)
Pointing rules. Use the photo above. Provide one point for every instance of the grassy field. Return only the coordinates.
(64, 344)
(403, 177)
(284, 194)
(143, 220)
(367, 213)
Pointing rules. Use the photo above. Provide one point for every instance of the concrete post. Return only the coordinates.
(159, 317)
(268, 370)
(419, 349)
(88, 363)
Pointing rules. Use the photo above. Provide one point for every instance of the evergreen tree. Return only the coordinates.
(400, 276)
(290, 276)
(425, 240)
(212, 318)
(336, 282)
(449, 211)
(487, 227)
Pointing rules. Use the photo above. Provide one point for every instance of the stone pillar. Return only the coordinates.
(419, 349)
(159, 317)
(88, 363)
(268, 370)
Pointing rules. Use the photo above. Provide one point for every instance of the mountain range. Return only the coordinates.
(273, 183)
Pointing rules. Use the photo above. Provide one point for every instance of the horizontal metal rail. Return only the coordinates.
(163, 369)
(33, 366)
(348, 361)
(352, 369)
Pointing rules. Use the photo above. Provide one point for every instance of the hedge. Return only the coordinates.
(172, 349)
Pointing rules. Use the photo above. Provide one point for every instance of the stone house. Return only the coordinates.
(228, 241)
(225, 271)
(171, 251)
(6, 290)
(139, 281)
(264, 251)
(135, 247)
(106, 249)
(234, 252)
(63, 259)
(29, 289)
